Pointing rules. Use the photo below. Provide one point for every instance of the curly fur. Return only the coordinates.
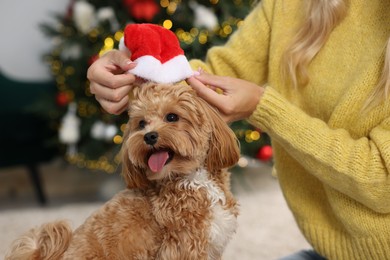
(185, 210)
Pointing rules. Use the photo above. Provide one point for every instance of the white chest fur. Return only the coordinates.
(224, 223)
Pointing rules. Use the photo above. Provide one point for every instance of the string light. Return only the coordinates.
(250, 135)
(118, 36)
(164, 3)
(203, 37)
(184, 36)
(69, 70)
(108, 45)
(255, 135)
(167, 24)
(93, 35)
(103, 163)
(117, 139)
(56, 66)
(118, 158)
(171, 9)
(194, 32)
(92, 109)
(60, 79)
(82, 109)
(123, 127)
(227, 29)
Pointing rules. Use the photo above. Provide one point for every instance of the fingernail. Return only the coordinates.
(196, 73)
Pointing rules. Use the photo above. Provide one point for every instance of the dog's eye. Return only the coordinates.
(171, 117)
(142, 124)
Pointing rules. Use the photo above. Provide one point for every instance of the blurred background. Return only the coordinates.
(58, 148)
(47, 112)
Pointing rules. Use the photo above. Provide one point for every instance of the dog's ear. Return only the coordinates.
(224, 150)
(133, 175)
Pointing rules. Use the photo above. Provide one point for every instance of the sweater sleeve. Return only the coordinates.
(358, 168)
(245, 55)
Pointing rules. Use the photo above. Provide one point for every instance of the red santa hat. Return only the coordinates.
(157, 53)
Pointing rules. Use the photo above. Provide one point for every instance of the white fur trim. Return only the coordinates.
(174, 70)
(150, 68)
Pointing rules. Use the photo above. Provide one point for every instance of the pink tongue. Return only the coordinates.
(157, 161)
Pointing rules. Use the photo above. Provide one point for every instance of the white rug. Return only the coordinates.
(266, 227)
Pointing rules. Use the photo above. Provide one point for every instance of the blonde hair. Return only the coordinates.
(321, 18)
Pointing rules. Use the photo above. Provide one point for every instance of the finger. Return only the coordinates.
(212, 80)
(108, 79)
(122, 60)
(206, 93)
(114, 107)
(112, 94)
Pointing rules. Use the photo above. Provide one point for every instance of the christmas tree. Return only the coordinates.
(88, 136)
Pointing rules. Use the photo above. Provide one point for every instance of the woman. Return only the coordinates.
(318, 83)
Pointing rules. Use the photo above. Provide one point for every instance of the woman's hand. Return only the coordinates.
(108, 82)
(238, 99)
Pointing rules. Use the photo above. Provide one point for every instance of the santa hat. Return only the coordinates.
(157, 52)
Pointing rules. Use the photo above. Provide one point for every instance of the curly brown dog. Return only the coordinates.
(177, 204)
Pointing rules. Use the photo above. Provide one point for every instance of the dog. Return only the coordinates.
(177, 205)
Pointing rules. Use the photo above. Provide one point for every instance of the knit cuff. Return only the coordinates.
(270, 109)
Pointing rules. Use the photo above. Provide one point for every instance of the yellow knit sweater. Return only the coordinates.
(333, 163)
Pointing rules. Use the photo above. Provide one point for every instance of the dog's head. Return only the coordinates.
(172, 131)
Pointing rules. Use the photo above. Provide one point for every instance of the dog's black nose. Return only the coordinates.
(151, 138)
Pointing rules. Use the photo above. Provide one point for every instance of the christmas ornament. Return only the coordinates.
(84, 16)
(108, 14)
(102, 131)
(69, 132)
(62, 99)
(97, 130)
(110, 132)
(92, 59)
(71, 52)
(157, 52)
(204, 17)
(144, 10)
(265, 153)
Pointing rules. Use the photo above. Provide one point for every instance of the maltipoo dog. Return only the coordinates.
(177, 204)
